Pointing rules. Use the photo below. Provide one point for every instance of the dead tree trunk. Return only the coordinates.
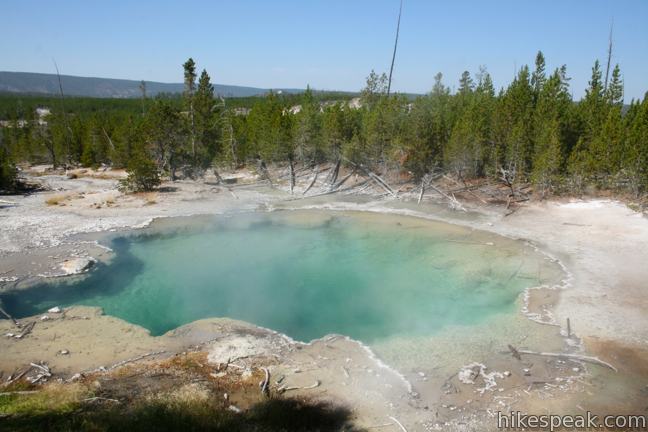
(292, 175)
(422, 191)
(391, 68)
(334, 174)
(312, 181)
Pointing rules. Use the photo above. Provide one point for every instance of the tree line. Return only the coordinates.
(530, 131)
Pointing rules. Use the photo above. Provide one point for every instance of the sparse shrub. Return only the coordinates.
(143, 175)
(56, 200)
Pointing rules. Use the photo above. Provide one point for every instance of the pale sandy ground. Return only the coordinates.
(601, 243)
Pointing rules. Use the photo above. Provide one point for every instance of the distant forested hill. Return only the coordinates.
(38, 83)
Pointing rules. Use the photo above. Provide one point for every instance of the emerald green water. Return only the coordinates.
(306, 274)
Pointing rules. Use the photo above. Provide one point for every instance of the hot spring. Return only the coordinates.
(305, 274)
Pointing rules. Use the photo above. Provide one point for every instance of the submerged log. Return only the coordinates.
(9, 317)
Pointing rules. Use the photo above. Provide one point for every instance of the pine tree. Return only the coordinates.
(635, 160)
(614, 91)
(307, 135)
(7, 167)
(592, 111)
(466, 83)
(164, 131)
(189, 89)
(375, 88)
(549, 125)
(538, 78)
(206, 122)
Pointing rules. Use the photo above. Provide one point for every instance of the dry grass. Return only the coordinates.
(57, 199)
(179, 393)
(53, 397)
(149, 198)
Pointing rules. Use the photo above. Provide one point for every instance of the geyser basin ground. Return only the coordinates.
(306, 274)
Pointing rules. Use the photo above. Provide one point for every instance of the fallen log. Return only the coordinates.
(26, 330)
(12, 379)
(134, 359)
(98, 398)
(285, 389)
(587, 359)
(468, 189)
(453, 201)
(328, 192)
(265, 382)
(341, 182)
(381, 183)
(515, 352)
(400, 425)
(22, 392)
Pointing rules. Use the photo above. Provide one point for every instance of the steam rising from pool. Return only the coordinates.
(304, 273)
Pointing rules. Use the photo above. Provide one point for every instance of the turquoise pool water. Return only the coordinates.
(304, 273)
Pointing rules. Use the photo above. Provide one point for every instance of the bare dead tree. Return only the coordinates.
(391, 69)
(65, 122)
(609, 56)
(142, 88)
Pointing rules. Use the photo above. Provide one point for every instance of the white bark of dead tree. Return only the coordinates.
(454, 202)
(587, 359)
(420, 198)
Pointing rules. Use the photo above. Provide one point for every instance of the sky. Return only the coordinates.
(328, 44)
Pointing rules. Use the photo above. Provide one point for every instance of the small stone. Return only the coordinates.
(527, 372)
(64, 352)
(507, 373)
(55, 309)
(421, 374)
(576, 369)
(225, 396)
(9, 334)
(75, 377)
(44, 318)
